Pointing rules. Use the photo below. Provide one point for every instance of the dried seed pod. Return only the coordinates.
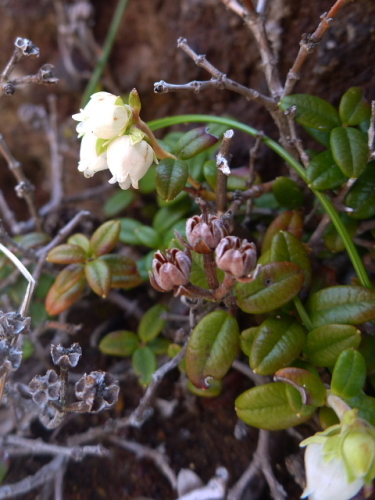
(10, 357)
(203, 236)
(45, 388)
(236, 257)
(98, 390)
(12, 323)
(170, 270)
(66, 357)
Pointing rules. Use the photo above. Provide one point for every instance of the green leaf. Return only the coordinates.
(349, 374)
(353, 108)
(213, 391)
(323, 173)
(194, 142)
(333, 240)
(272, 407)
(286, 247)
(151, 323)
(33, 239)
(287, 193)
(98, 275)
(313, 391)
(118, 202)
(67, 289)
(67, 254)
(128, 233)
(286, 221)
(361, 196)
(147, 236)
(167, 217)
(124, 271)
(319, 135)
(350, 305)
(144, 364)
(105, 238)
(247, 338)
(312, 111)
(278, 341)
(82, 241)
(275, 285)
(171, 177)
(198, 275)
(349, 150)
(212, 348)
(210, 173)
(147, 183)
(119, 343)
(325, 343)
(159, 345)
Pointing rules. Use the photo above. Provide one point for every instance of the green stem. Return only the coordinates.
(303, 314)
(323, 198)
(107, 47)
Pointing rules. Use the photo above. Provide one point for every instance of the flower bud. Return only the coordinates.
(170, 270)
(205, 236)
(104, 116)
(236, 257)
(359, 452)
(128, 162)
(89, 162)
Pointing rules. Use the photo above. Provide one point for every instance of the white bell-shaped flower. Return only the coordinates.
(327, 479)
(90, 162)
(104, 115)
(128, 162)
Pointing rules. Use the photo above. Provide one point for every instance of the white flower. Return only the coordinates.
(104, 115)
(90, 162)
(327, 479)
(128, 162)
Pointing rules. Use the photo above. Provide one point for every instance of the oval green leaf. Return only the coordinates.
(312, 111)
(66, 254)
(171, 177)
(290, 221)
(151, 323)
(361, 197)
(287, 193)
(275, 285)
(353, 108)
(119, 343)
(325, 343)
(349, 374)
(144, 364)
(124, 271)
(105, 238)
(247, 338)
(313, 391)
(194, 142)
(118, 202)
(346, 304)
(212, 348)
(147, 236)
(278, 341)
(82, 241)
(66, 290)
(128, 233)
(349, 150)
(323, 173)
(268, 407)
(98, 275)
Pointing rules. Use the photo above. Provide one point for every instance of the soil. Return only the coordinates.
(200, 434)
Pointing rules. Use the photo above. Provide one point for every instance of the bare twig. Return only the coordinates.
(7, 213)
(131, 307)
(248, 372)
(23, 48)
(309, 43)
(371, 133)
(277, 491)
(223, 171)
(56, 158)
(294, 139)
(142, 451)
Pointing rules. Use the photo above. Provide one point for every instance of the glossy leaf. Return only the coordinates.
(151, 323)
(320, 136)
(171, 177)
(105, 238)
(275, 285)
(349, 150)
(194, 142)
(323, 173)
(124, 271)
(278, 341)
(287, 221)
(119, 343)
(361, 196)
(312, 390)
(128, 233)
(33, 239)
(167, 217)
(350, 305)
(325, 343)
(247, 338)
(148, 236)
(67, 254)
(287, 193)
(159, 345)
(67, 289)
(286, 247)
(213, 391)
(144, 364)
(118, 202)
(312, 111)
(272, 407)
(349, 374)
(212, 348)
(353, 108)
(98, 275)
(82, 241)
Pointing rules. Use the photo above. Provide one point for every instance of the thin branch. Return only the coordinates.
(309, 44)
(23, 48)
(371, 133)
(7, 213)
(294, 139)
(56, 182)
(223, 171)
(219, 80)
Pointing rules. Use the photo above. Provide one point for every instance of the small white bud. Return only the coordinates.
(89, 162)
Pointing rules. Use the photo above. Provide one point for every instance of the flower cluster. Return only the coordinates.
(110, 140)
